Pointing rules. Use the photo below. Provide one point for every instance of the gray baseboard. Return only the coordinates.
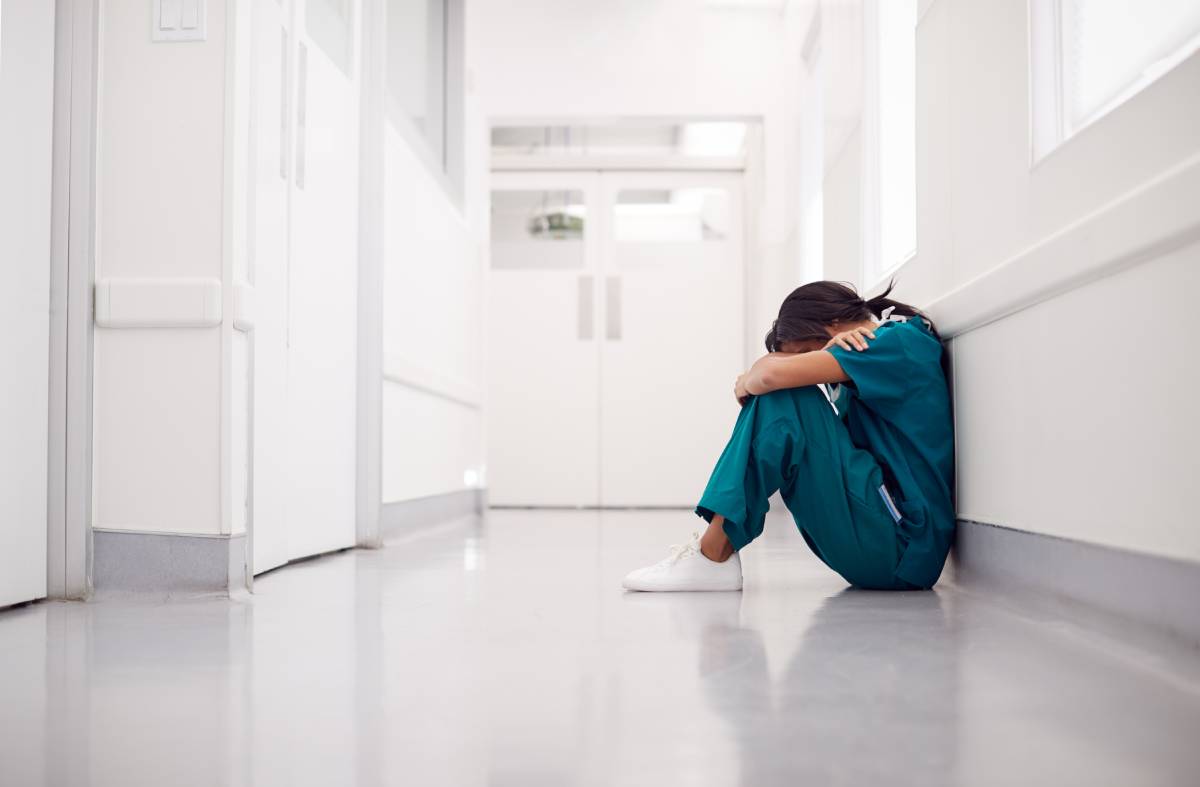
(409, 516)
(1155, 590)
(168, 563)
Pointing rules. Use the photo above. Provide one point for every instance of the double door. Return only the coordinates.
(302, 263)
(615, 333)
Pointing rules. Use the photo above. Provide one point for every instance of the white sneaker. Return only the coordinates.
(686, 568)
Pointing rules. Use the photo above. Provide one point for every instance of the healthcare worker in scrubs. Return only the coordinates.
(867, 472)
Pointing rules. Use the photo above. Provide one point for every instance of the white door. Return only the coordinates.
(616, 330)
(26, 114)
(674, 336)
(270, 178)
(323, 283)
(543, 341)
(304, 189)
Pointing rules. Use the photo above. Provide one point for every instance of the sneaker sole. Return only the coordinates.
(652, 587)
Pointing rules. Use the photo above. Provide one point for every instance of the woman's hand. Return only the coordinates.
(739, 389)
(853, 339)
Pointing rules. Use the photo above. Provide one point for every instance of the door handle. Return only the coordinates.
(301, 114)
(284, 104)
(587, 297)
(612, 302)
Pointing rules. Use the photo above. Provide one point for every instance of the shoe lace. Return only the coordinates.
(680, 551)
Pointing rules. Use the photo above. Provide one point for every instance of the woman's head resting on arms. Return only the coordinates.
(816, 311)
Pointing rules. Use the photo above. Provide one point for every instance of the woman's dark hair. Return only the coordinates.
(811, 308)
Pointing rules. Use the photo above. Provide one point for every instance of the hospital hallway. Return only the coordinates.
(362, 364)
(504, 652)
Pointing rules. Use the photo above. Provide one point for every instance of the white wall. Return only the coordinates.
(434, 245)
(160, 164)
(171, 403)
(579, 58)
(1077, 417)
(433, 301)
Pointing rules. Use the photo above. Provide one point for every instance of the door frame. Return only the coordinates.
(372, 160)
(72, 278)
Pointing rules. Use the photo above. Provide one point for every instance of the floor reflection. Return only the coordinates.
(870, 689)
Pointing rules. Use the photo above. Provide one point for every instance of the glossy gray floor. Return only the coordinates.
(505, 653)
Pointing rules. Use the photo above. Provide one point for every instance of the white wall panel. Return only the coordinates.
(159, 183)
(429, 444)
(1077, 417)
(579, 58)
(157, 431)
(432, 277)
(432, 423)
(159, 214)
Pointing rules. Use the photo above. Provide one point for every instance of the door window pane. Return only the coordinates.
(671, 215)
(416, 71)
(328, 25)
(538, 230)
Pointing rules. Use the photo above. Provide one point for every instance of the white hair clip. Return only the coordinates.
(886, 315)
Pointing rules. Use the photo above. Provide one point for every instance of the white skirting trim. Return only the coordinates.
(407, 516)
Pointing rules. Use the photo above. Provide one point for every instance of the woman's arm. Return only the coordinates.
(777, 371)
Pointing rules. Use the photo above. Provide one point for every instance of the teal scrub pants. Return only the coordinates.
(791, 441)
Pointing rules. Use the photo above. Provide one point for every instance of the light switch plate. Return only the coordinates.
(179, 20)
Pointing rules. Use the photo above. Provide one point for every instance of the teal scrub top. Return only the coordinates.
(896, 406)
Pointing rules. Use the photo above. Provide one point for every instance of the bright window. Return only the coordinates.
(1089, 56)
(890, 163)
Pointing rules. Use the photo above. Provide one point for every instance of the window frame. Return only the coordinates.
(1050, 124)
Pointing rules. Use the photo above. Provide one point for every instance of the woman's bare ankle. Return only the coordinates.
(714, 544)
